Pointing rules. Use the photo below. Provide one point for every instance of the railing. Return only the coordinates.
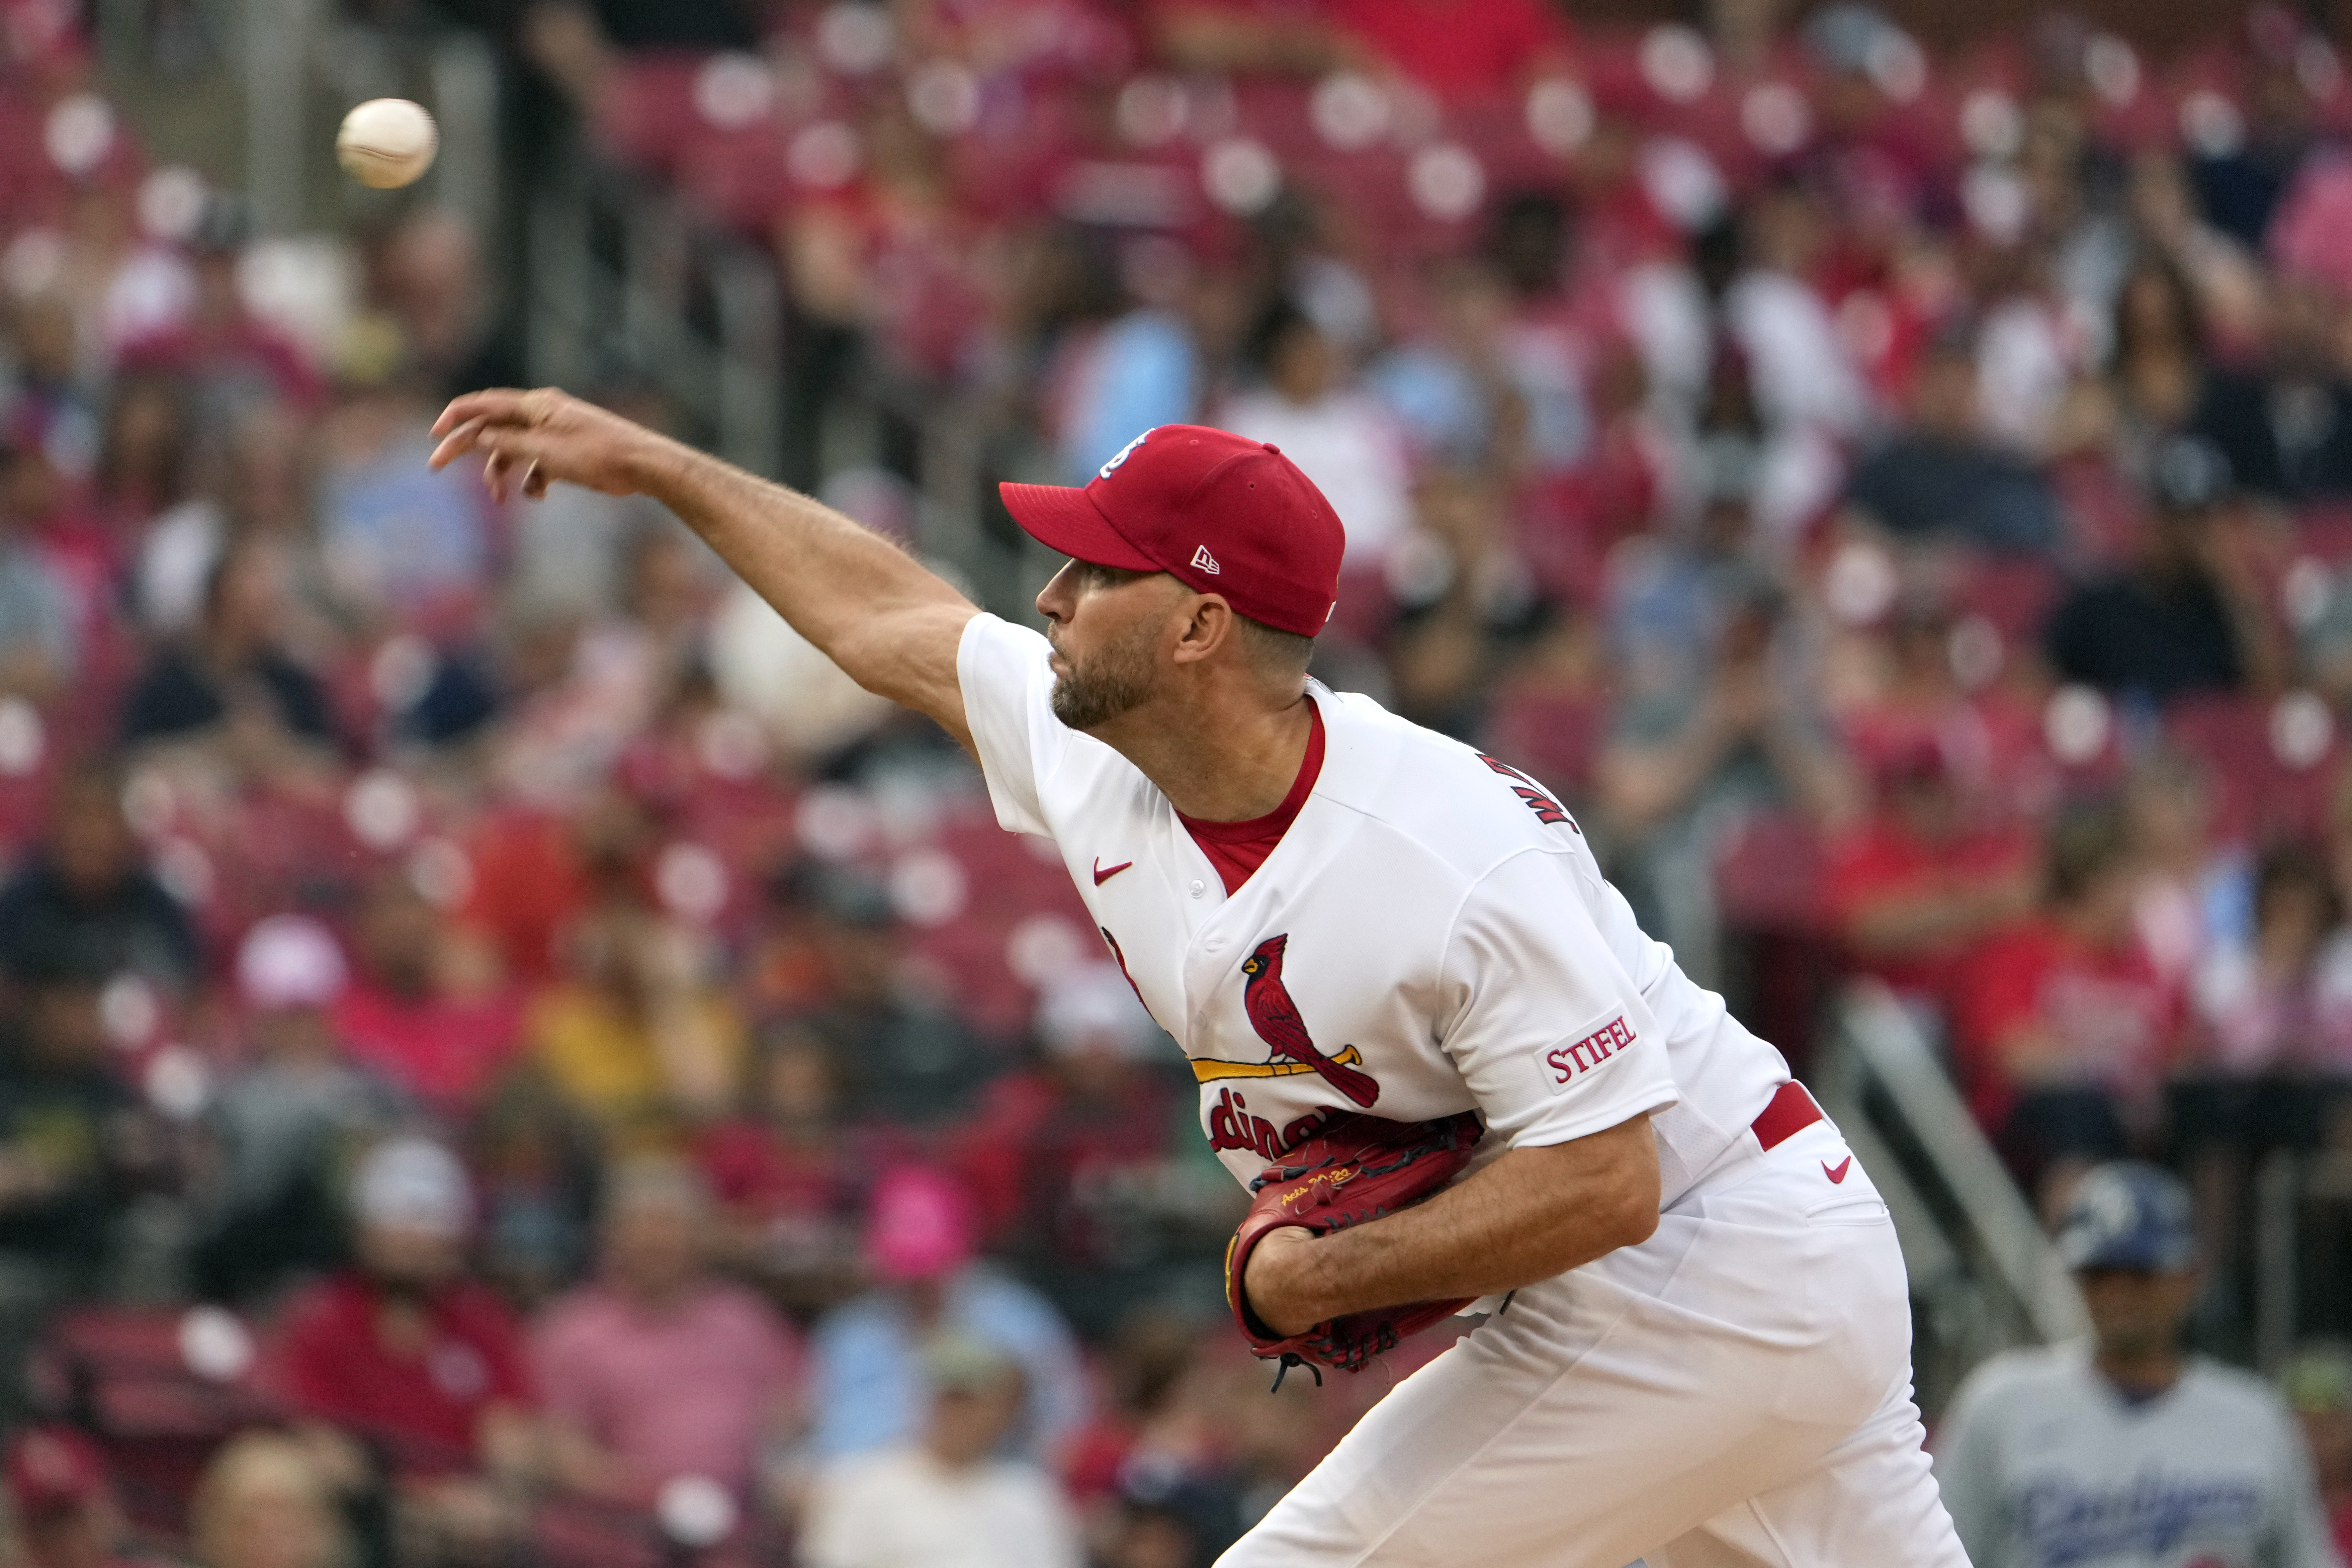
(623, 280)
(2302, 1203)
(1983, 1275)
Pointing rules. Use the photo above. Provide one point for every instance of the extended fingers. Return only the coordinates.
(456, 442)
(496, 403)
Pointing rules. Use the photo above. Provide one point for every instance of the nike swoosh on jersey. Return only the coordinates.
(1838, 1174)
(1102, 876)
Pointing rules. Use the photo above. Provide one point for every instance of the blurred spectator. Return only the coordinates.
(1545, 345)
(2239, 180)
(2317, 1383)
(40, 631)
(2064, 1029)
(906, 1060)
(2285, 430)
(2259, 1075)
(1074, 1164)
(231, 359)
(86, 898)
(426, 1006)
(786, 1173)
(144, 462)
(564, 738)
(538, 1160)
(1449, 385)
(1926, 877)
(264, 1502)
(2129, 1450)
(2262, 1004)
(402, 1353)
(1340, 436)
(659, 1370)
(1151, 1535)
(1940, 478)
(2157, 375)
(1133, 371)
(635, 1035)
(1712, 724)
(61, 1502)
(1466, 602)
(2189, 615)
(1182, 1454)
(399, 535)
(75, 1144)
(950, 1495)
(1805, 380)
(264, 501)
(2223, 273)
(231, 684)
(290, 1123)
(429, 274)
(869, 1388)
(2195, 887)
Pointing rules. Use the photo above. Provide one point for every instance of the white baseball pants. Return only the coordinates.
(1735, 1393)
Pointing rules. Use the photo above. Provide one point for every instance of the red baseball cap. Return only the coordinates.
(53, 1469)
(1219, 513)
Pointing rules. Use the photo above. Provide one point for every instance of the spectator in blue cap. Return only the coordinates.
(2126, 1451)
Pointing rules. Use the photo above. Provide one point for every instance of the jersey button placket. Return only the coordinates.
(1199, 887)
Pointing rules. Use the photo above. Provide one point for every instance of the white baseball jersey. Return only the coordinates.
(1431, 935)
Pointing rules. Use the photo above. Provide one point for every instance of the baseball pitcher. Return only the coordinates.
(1428, 1035)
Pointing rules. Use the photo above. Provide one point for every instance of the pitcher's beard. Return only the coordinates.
(1116, 680)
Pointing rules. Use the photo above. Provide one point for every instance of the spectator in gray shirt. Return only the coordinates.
(2128, 1452)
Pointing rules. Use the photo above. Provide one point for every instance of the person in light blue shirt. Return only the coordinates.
(1140, 371)
(397, 534)
(867, 1386)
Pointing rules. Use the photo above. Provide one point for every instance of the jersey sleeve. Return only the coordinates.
(1550, 1034)
(1008, 693)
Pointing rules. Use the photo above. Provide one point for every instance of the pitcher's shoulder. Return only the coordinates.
(1444, 792)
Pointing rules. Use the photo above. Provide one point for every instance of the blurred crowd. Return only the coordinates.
(491, 1016)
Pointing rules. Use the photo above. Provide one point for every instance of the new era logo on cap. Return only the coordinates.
(1217, 511)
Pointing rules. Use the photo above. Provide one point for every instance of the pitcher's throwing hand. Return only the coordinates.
(530, 439)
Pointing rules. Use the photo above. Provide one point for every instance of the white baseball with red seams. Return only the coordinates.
(1433, 935)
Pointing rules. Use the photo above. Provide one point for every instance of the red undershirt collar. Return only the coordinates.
(1238, 848)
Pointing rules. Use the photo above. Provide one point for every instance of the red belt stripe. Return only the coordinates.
(1790, 1113)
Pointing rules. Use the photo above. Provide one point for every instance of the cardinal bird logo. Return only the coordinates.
(1275, 1018)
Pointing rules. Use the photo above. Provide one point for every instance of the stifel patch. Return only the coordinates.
(1565, 1063)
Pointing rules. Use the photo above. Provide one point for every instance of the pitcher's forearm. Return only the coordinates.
(893, 626)
(888, 621)
(1531, 1215)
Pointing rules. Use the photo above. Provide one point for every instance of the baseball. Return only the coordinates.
(387, 142)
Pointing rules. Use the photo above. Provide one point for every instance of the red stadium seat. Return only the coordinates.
(2273, 767)
(125, 1374)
